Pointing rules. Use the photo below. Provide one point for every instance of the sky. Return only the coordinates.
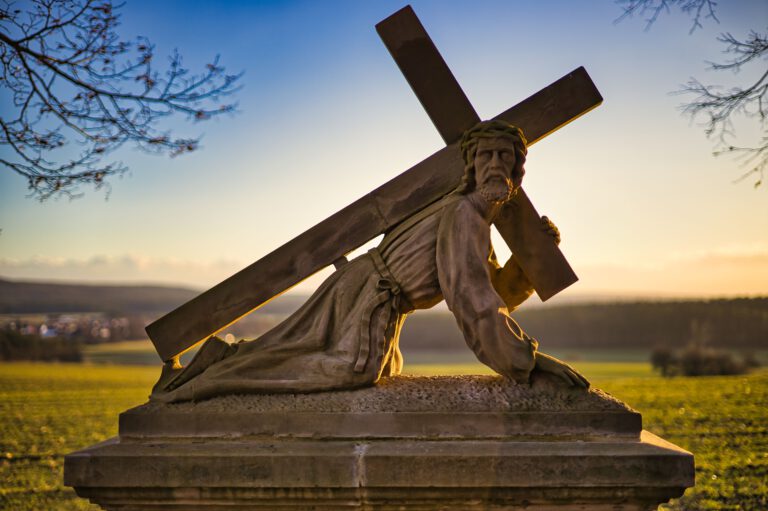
(325, 116)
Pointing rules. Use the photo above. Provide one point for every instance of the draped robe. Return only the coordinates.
(346, 334)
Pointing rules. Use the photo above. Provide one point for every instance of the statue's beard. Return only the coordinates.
(496, 191)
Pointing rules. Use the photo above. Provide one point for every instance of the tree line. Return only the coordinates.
(16, 346)
(740, 323)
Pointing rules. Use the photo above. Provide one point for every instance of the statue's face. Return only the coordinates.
(495, 173)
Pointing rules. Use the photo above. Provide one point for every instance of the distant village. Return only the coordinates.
(87, 328)
(62, 336)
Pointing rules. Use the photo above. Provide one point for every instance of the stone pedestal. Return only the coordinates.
(413, 443)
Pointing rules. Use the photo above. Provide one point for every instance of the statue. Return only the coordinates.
(346, 334)
(377, 212)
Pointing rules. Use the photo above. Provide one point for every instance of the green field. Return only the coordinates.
(141, 352)
(47, 410)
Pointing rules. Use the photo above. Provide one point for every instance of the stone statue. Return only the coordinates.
(346, 334)
(432, 443)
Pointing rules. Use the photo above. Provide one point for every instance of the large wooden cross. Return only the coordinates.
(383, 208)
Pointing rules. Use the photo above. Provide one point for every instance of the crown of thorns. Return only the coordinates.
(490, 129)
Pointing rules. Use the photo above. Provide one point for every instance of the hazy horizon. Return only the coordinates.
(300, 292)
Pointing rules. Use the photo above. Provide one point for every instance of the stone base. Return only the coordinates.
(412, 443)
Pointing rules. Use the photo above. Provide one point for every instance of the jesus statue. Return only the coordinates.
(347, 333)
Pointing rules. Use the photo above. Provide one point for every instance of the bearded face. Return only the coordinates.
(496, 177)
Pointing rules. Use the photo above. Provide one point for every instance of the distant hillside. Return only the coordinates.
(725, 323)
(739, 323)
(32, 297)
(23, 297)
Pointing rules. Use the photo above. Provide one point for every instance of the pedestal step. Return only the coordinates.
(508, 447)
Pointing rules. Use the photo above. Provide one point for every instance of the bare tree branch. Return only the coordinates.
(652, 9)
(79, 93)
(719, 107)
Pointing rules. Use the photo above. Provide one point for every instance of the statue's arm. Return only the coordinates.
(510, 281)
(466, 282)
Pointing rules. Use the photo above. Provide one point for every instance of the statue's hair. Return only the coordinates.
(488, 129)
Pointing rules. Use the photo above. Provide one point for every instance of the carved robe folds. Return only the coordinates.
(346, 334)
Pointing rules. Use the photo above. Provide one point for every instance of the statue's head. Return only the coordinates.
(494, 156)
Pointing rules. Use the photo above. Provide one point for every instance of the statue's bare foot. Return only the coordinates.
(174, 375)
(169, 372)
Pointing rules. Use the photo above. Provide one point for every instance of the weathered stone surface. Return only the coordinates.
(409, 443)
(415, 394)
(441, 407)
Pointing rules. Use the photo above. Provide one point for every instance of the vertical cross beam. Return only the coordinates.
(452, 114)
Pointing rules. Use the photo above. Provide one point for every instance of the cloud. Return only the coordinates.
(133, 269)
(120, 269)
(732, 272)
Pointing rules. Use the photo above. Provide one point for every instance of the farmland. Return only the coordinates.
(48, 410)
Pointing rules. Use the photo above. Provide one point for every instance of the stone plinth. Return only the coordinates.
(414, 443)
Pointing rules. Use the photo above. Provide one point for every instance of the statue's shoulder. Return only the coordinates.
(460, 208)
(447, 205)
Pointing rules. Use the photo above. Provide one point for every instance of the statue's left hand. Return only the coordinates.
(549, 364)
(550, 228)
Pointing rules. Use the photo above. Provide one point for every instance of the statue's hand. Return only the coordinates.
(549, 364)
(550, 228)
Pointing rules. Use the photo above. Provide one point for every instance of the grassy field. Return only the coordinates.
(47, 410)
(141, 352)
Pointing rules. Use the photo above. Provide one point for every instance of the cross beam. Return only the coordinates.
(368, 217)
(452, 114)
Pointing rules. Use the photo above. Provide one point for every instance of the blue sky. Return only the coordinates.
(325, 116)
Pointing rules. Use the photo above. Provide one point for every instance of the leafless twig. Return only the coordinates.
(719, 107)
(652, 9)
(79, 93)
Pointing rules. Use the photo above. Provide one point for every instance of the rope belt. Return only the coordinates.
(389, 291)
(387, 285)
